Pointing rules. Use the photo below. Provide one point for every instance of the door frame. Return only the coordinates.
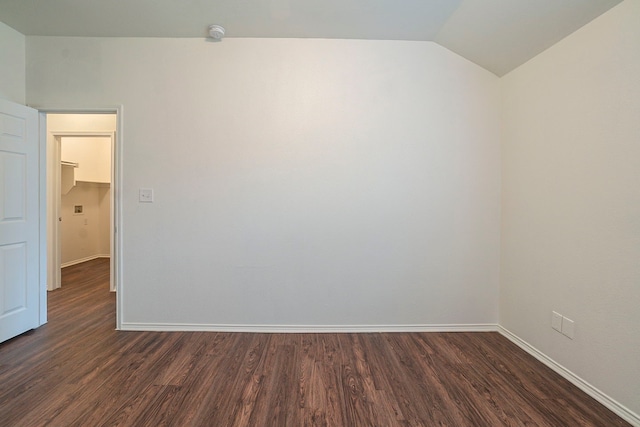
(49, 156)
(56, 262)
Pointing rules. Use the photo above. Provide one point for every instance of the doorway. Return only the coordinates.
(82, 180)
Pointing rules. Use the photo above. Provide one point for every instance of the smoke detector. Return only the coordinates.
(216, 32)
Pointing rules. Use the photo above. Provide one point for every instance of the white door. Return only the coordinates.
(19, 220)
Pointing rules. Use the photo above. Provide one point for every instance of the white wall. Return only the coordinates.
(571, 202)
(82, 236)
(12, 64)
(104, 217)
(297, 182)
(92, 154)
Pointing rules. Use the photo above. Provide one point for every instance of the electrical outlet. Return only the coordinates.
(568, 327)
(556, 321)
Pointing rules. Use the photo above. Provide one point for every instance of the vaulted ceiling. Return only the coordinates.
(498, 35)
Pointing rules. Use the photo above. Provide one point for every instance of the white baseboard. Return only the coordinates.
(85, 259)
(619, 409)
(190, 327)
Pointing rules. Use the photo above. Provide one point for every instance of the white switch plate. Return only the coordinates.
(145, 195)
(568, 327)
(556, 321)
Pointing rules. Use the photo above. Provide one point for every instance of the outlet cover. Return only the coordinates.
(568, 327)
(556, 321)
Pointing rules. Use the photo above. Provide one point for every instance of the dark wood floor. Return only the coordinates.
(78, 371)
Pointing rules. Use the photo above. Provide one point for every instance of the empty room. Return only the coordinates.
(336, 213)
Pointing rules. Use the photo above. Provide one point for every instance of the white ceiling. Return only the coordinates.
(499, 35)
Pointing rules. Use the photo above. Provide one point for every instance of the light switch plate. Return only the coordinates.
(556, 321)
(145, 195)
(568, 327)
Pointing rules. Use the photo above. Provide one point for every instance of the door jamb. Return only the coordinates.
(116, 194)
(56, 136)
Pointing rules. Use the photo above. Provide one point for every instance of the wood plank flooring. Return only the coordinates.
(78, 371)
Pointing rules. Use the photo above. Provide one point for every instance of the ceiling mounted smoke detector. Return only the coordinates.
(216, 32)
